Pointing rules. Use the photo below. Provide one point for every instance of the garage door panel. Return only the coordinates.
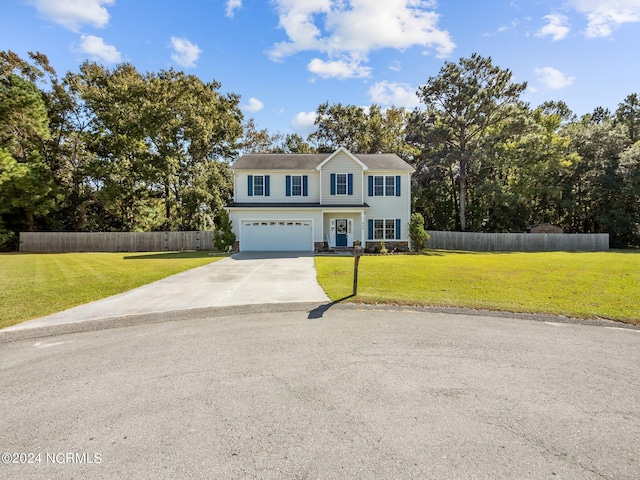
(277, 235)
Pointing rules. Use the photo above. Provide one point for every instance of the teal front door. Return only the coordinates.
(341, 232)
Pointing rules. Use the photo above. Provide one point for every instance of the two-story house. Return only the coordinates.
(302, 202)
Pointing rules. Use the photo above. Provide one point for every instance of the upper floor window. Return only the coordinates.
(378, 186)
(258, 185)
(390, 186)
(342, 184)
(384, 185)
(297, 185)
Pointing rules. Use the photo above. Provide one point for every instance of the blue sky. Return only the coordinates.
(285, 57)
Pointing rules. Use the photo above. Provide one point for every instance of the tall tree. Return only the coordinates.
(470, 98)
(359, 129)
(629, 171)
(258, 140)
(294, 143)
(340, 126)
(628, 113)
(593, 192)
(26, 185)
(157, 139)
(435, 192)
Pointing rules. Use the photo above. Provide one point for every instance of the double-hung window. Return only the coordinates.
(258, 185)
(378, 186)
(389, 229)
(341, 183)
(378, 229)
(384, 185)
(384, 229)
(390, 186)
(296, 185)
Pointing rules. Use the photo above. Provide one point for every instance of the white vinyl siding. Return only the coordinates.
(341, 164)
(277, 187)
(391, 207)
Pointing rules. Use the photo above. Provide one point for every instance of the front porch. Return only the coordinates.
(341, 229)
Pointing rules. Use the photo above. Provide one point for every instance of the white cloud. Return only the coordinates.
(71, 14)
(98, 50)
(553, 79)
(503, 28)
(232, 6)
(397, 94)
(254, 105)
(185, 53)
(557, 28)
(303, 123)
(395, 66)
(348, 30)
(338, 69)
(605, 16)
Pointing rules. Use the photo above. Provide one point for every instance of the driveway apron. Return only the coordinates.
(242, 279)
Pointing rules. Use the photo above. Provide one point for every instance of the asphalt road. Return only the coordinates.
(340, 392)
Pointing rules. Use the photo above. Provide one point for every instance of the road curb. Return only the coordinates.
(315, 311)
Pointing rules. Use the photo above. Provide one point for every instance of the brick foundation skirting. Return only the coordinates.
(372, 247)
(320, 246)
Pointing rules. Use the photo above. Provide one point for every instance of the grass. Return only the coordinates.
(583, 285)
(34, 285)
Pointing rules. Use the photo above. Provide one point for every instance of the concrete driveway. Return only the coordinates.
(242, 279)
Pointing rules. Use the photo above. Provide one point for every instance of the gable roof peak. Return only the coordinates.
(346, 152)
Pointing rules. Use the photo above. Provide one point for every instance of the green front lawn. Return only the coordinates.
(586, 285)
(34, 285)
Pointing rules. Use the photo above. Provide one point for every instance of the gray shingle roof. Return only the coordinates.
(294, 205)
(385, 161)
(279, 161)
(293, 161)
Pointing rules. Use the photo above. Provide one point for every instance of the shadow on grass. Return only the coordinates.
(319, 311)
(174, 255)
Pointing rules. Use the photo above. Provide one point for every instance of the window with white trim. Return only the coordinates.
(296, 185)
(258, 185)
(384, 229)
(390, 186)
(378, 229)
(378, 186)
(383, 186)
(341, 184)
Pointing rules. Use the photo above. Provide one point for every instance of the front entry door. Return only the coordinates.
(341, 232)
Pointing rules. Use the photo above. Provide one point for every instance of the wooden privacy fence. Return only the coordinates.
(114, 241)
(519, 242)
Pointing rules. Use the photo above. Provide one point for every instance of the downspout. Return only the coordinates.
(234, 186)
(409, 208)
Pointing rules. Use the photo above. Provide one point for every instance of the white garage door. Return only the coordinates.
(276, 235)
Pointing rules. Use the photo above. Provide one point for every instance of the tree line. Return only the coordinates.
(117, 150)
